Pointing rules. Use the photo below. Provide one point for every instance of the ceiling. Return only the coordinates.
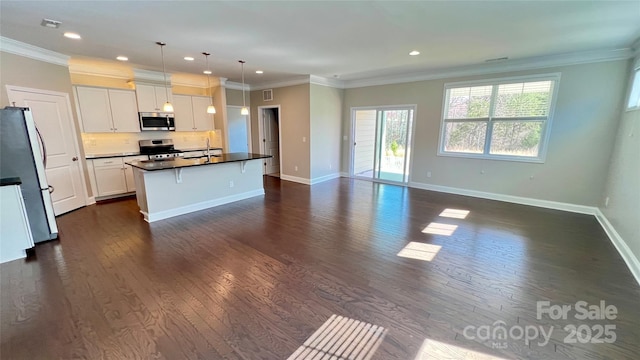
(344, 40)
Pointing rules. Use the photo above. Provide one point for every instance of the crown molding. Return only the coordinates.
(33, 52)
(636, 48)
(192, 80)
(532, 63)
(323, 81)
(236, 86)
(103, 71)
(140, 75)
(305, 79)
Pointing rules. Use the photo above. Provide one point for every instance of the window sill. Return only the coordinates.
(537, 160)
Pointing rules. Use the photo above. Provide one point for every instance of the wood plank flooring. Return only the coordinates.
(256, 278)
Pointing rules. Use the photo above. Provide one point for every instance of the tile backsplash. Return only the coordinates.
(106, 143)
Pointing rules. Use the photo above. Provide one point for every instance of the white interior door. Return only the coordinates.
(239, 128)
(52, 115)
(271, 140)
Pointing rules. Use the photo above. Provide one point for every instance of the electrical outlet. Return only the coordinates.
(345, 138)
(231, 184)
(295, 168)
(330, 167)
(304, 139)
(606, 202)
(482, 172)
(428, 174)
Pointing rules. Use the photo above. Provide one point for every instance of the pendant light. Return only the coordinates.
(244, 110)
(167, 107)
(210, 109)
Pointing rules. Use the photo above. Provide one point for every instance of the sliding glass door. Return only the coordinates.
(382, 143)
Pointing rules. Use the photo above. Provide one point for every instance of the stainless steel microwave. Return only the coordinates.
(157, 121)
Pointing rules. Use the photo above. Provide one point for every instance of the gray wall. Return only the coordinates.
(234, 97)
(326, 123)
(294, 126)
(22, 71)
(581, 141)
(623, 182)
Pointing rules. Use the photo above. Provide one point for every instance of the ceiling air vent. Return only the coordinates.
(54, 24)
(267, 95)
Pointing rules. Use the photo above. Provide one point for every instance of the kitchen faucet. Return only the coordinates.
(208, 151)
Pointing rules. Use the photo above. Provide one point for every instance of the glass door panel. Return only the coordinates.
(382, 144)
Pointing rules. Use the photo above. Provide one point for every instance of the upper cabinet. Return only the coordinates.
(151, 98)
(191, 113)
(107, 110)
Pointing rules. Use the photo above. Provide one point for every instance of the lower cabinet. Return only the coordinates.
(15, 233)
(111, 176)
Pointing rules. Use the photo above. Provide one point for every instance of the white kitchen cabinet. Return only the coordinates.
(124, 110)
(107, 110)
(15, 233)
(95, 109)
(202, 121)
(191, 113)
(110, 178)
(183, 111)
(151, 98)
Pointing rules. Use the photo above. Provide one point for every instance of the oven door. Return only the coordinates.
(157, 121)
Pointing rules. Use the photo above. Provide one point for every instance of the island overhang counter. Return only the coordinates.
(179, 186)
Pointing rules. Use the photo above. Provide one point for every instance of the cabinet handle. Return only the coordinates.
(75, 158)
(116, 129)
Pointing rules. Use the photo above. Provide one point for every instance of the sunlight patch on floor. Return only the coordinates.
(420, 251)
(440, 229)
(455, 213)
(436, 350)
(341, 338)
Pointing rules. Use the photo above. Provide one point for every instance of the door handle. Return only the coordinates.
(75, 158)
(51, 189)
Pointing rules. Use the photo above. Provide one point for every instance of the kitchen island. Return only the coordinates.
(167, 188)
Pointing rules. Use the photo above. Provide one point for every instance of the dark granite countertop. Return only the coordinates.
(10, 181)
(177, 163)
(136, 153)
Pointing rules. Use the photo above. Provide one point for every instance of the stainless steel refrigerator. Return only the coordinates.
(23, 155)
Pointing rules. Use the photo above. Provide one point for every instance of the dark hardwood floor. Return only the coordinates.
(256, 278)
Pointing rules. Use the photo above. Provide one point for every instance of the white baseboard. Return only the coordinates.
(91, 200)
(324, 178)
(161, 215)
(344, 174)
(627, 255)
(581, 209)
(295, 179)
(629, 258)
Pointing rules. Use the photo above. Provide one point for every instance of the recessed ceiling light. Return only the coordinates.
(71, 35)
(208, 72)
(188, 58)
(122, 58)
(259, 72)
(414, 53)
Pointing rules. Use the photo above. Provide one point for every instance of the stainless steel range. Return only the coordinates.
(161, 149)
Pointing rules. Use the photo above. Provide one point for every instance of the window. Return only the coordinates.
(504, 119)
(634, 92)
